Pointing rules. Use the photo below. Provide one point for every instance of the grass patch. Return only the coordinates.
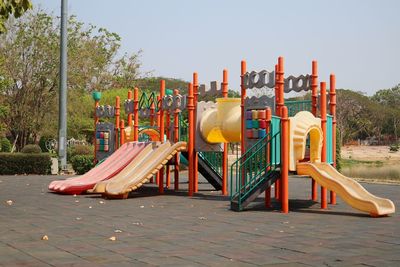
(352, 162)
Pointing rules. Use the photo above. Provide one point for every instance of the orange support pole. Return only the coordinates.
(130, 115)
(268, 118)
(225, 153)
(176, 139)
(332, 109)
(195, 155)
(136, 114)
(190, 107)
(117, 117)
(323, 154)
(158, 125)
(152, 113)
(167, 168)
(96, 120)
(122, 136)
(242, 111)
(276, 91)
(162, 94)
(314, 97)
(285, 159)
(243, 71)
(280, 83)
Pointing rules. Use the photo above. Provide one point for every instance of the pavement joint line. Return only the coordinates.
(26, 253)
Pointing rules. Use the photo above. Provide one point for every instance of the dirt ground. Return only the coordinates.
(372, 153)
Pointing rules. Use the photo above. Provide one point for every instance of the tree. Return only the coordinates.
(12, 7)
(29, 65)
(389, 100)
(355, 113)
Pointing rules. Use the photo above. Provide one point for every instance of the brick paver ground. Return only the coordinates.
(175, 230)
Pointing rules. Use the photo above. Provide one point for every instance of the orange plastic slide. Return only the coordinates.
(139, 171)
(348, 189)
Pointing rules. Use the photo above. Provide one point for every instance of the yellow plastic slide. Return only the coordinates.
(348, 189)
(150, 160)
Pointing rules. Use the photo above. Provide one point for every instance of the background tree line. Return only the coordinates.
(29, 74)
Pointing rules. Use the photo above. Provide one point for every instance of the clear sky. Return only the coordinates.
(358, 40)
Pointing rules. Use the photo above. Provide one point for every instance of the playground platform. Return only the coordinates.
(176, 230)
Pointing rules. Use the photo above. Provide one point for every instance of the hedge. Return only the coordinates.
(20, 163)
(82, 163)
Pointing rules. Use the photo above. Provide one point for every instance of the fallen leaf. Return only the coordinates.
(45, 237)
(113, 238)
(9, 202)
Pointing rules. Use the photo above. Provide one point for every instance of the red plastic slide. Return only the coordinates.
(106, 170)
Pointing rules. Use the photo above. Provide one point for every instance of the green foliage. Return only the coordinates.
(82, 163)
(19, 163)
(14, 8)
(362, 117)
(31, 149)
(5, 145)
(79, 150)
(338, 151)
(394, 147)
(29, 60)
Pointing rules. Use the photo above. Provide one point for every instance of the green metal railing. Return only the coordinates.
(329, 139)
(295, 106)
(214, 160)
(252, 168)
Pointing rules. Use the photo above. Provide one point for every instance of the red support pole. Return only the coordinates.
(167, 168)
(314, 97)
(176, 139)
(323, 154)
(130, 114)
(285, 159)
(332, 108)
(117, 117)
(136, 114)
(268, 118)
(280, 83)
(190, 107)
(122, 136)
(225, 153)
(96, 120)
(195, 155)
(243, 71)
(162, 94)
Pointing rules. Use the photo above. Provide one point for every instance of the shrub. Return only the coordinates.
(5, 145)
(42, 142)
(20, 163)
(82, 163)
(394, 148)
(79, 150)
(31, 149)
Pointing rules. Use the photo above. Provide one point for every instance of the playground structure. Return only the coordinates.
(276, 138)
